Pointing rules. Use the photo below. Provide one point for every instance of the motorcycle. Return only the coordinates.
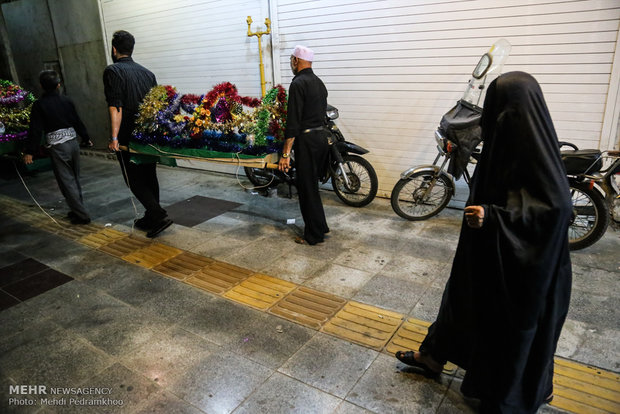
(594, 191)
(353, 178)
(424, 191)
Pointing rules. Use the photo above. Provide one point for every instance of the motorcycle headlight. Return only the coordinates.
(332, 113)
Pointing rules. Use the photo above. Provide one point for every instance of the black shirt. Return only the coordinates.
(125, 85)
(307, 103)
(49, 113)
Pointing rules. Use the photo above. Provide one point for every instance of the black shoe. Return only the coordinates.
(71, 215)
(143, 224)
(77, 220)
(159, 227)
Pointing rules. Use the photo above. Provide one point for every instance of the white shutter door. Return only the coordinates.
(394, 67)
(193, 44)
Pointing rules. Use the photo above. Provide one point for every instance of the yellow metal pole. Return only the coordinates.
(259, 34)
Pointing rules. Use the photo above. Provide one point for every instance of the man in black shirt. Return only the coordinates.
(305, 133)
(55, 116)
(126, 83)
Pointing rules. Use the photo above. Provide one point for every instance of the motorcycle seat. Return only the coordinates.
(585, 161)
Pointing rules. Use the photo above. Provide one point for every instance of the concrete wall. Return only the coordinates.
(64, 35)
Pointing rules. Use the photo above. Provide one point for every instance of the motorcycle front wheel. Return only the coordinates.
(362, 181)
(421, 195)
(590, 216)
(259, 177)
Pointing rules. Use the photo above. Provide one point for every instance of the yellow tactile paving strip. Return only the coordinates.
(364, 324)
(101, 238)
(124, 246)
(219, 277)
(410, 336)
(582, 389)
(152, 255)
(182, 266)
(260, 291)
(308, 307)
(577, 388)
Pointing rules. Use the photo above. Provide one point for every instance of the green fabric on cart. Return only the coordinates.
(145, 158)
(158, 151)
(8, 147)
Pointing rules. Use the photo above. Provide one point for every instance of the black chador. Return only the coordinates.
(307, 104)
(508, 294)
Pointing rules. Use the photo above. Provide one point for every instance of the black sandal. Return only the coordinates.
(408, 357)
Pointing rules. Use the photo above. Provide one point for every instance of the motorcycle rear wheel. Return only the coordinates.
(590, 216)
(259, 177)
(411, 200)
(362, 179)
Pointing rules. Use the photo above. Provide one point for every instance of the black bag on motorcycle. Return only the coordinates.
(461, 125)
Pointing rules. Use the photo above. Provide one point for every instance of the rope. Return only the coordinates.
(34, 199)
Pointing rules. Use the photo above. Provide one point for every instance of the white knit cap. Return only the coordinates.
(302, 52)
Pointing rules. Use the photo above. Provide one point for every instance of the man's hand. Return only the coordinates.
(87, 144)
(113, 145)
(284, 164)
(27, 159)
(474, 216)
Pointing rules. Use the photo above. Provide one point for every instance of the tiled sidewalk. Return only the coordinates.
(371, 256)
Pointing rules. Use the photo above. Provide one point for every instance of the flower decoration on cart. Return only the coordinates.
(220, 120)
(15, 106)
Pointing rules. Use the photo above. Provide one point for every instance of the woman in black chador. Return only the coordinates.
(507, 297)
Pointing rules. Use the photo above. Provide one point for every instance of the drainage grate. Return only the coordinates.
(308, 307)
(101, 238)
(219, 277)
(583, 389)
(122, 247)
(183, 265)
(152, 255)
(260, 291)
(364, 324)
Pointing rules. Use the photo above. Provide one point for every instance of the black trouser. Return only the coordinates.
(66, 165)
(311, 152)
(142, 181)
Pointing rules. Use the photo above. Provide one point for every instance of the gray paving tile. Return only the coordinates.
(219, 320)
(218, 246)
(364, 258)
(253, 334)
(166, 403)
(427, 307)
(220, 382)
(106, 322)
(166, 358)
(294, 268)
(384, 389)
(114, 327)
(455, 402)
(48, 355)
(339, 280)
(597, 348)
(131, 389)
(129, 283)
(346, 407)
(586, 307)
(415, 269)
(178, 301)
(10, 257)
(329, 364)
(282, 394)
(391, 293)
